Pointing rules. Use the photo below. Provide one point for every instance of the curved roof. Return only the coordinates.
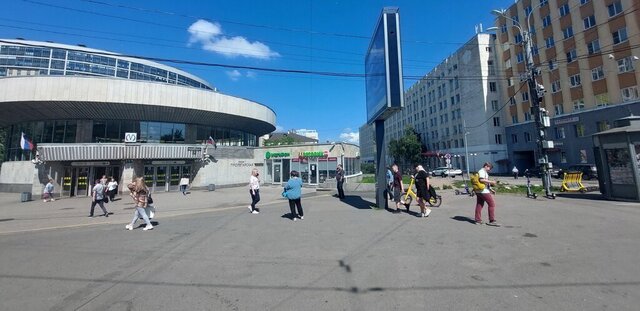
(106, 53)
(36, 98)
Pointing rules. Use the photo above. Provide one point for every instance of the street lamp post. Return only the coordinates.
(536, 92)
(466, 152)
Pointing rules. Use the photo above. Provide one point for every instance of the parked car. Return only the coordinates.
(589, 171)
(446, 171)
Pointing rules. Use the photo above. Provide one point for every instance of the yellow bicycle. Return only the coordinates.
(410, 195)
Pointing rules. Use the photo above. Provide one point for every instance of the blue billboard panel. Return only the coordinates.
(383, 68)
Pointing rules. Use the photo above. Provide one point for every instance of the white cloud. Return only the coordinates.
(234, 75)
(212, 39)
(251, 74)
(351, 137)
(279, 128)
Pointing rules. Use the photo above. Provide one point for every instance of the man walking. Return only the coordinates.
(340, 181)
(486, 195)
(397, 187)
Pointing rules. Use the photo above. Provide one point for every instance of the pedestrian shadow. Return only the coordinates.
(288, 216)
(357, 201)
(464, 218)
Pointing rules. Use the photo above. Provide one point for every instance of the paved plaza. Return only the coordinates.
(207, 252)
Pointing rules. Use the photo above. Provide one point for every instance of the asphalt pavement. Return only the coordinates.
(207, 252)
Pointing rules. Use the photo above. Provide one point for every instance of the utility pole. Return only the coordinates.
(541, 116)
(536, 93)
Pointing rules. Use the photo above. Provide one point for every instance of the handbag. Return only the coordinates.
(150, 210)
(105, 199)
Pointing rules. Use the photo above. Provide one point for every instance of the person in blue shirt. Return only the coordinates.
(293, 189)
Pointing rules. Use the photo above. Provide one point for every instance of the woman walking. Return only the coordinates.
(254, 190)
(97, 197)
(112, 188)
(140, 194)
(293, 189)
(422, 190)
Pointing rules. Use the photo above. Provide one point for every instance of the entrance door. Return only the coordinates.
(161, 179)
(175, 175)
(82, 181)
(277, 173)
(149, 176)
(313, 169)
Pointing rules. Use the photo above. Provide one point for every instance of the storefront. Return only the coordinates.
(316, 163)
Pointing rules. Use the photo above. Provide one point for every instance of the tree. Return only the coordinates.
(284, 140)
(406, 150)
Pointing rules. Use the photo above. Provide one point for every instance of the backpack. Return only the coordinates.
(478, 186)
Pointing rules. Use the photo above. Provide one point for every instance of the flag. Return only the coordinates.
(210, 141)
(25, 142)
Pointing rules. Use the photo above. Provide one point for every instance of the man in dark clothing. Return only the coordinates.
(422, 190)
(397, 187)
(340, 181)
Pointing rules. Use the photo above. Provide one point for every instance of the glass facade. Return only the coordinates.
(113, 131)
(17, 60)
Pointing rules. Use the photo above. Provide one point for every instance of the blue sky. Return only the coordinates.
(324, 36)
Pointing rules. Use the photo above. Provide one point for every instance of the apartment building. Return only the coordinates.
(587, 53)
(463, 90)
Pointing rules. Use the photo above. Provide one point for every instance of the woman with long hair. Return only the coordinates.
(140, 194)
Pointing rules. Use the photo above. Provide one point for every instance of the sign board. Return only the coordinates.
(167, 162)
(130, 137)
(566, 120)
(269, 155)
(383, 68)
(101, 163)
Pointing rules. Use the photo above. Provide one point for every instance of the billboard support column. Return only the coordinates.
(381, 171)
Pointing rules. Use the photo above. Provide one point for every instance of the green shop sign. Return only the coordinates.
(269, 155)
(313, 154)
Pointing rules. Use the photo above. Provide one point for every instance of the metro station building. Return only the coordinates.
(76, 104)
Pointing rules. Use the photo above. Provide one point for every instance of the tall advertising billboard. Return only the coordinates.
(383, 68)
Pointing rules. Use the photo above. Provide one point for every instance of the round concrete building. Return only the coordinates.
(91, 113)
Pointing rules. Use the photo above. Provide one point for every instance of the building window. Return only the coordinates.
(603, 125)
(593, 47)
(564, 9)
(525, 96)
(549, 42)
(492, 87)
(629, 93)
(527, 116)
(514, 119)
(527, 10)
(507, 63)
(579, 129)
(494, 105)
(520, 57)
(496, 121)
(589, 22)
(559, 131)
(602, 100)
(615, 8)
(563, 157)
(578, 105)
(514, 138)
(510, 81)
(552, 65)
(597, 73)
(543, 2)
(583, 2)
(498, 139)
(620, 35)
(515, 20)
(567, 32)
(534, 50)
(575, 80)
(518, 38)
(625, 65)
(559, 109)
(571, 55)
(527, 137)
(555, 86)
(546, 21)
(503, 28)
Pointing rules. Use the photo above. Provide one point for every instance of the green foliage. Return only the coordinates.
(367, 168)
(285, 140)
(407, 149)
(446, 186)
